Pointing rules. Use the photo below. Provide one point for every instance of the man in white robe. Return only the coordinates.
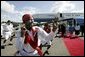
(42, 36)
(8, 30)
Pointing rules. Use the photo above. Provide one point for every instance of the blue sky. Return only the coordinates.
(41, 5)
(13, 10)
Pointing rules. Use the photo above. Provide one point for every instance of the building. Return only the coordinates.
(69, 15)
(59, 16)
(51, 16)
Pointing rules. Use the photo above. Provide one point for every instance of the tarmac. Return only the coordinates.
(58, 48)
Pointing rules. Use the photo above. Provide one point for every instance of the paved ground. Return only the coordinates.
(58, 48)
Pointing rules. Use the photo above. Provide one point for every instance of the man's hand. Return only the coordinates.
(22, 32)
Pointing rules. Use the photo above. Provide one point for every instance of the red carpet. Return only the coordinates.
(75, 46)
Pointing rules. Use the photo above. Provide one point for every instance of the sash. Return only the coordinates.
(28, 39)
(33, 43)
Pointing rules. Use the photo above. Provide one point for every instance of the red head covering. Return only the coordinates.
(26, 17)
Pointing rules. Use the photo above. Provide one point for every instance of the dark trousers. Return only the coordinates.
(77, 32)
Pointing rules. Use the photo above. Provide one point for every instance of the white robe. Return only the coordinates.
(1, 30)
(8, 30)
(20, 46)
(43, 37)
(19, 40)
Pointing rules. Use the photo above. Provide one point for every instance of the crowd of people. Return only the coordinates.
(71, 29)
(30, 39)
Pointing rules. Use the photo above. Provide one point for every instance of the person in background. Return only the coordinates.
(63, 30)
(1, 31)
(67, 29)
(47, 28)
(3, 27)
(59, 30)
(8, 30)
(77, 29)
(71, 30)
(82, 29)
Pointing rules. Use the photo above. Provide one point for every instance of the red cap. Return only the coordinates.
(26, 17)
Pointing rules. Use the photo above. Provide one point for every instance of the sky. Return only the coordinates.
(14, 10)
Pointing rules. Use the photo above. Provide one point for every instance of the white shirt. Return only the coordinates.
(67, 28)
(1, 30)
(8, 27)
(77, 27)
(43, 37)
(4, 26)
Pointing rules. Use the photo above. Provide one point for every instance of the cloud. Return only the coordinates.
(78, 11)
(17, 16)
(8, 11)
(65, 7)
(11, 17)
(6, 6)
(30, 10)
